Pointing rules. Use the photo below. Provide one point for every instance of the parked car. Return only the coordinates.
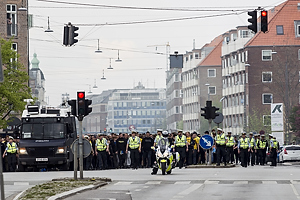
(290, 153)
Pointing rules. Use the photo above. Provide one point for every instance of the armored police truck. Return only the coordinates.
(46, 136)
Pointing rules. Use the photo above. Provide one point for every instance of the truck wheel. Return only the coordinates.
(163, 168)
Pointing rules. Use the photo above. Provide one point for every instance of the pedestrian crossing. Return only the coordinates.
(208, 182)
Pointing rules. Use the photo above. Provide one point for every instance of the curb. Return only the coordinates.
(210, 166)
(77, 190)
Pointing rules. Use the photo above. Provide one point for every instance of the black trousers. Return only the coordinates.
(230, 154)
(12, 162)
(221, 154)
(122, 158)
(102, 159)
(244, 157)
(257, 157)
(251, 157)
(135, 157)
(237, 156)
(182, 154)
(273, 157)
(87, 162)
(262, 153)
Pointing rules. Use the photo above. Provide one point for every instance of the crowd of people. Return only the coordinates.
(136, 150)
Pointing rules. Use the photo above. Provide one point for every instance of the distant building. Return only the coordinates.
(141, 109)
(13, 20)
(262, 69)
(201, 77)
(37, 81)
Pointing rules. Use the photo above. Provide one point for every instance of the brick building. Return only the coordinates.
(13, 24)
(271, 69)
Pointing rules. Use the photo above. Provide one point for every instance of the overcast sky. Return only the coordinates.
(70, 69)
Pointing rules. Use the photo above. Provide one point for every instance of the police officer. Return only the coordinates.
(263, 144)
(243, 149)
(134, 144)
(11, 151)
(121, 148)
(101, 147)
(274, 146)
(88, 160)
(158, 136)
(256, 147)
(251, 154)
(221, 141)
(181, 146)
(229, 148)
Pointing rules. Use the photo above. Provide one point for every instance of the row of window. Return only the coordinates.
(211, 73)
(235, 121)
(139, 113)
(137, 121)
(234, 59)
(191, 56)
(140, 104)
(235, 79)
(191, 108)
(234, 36)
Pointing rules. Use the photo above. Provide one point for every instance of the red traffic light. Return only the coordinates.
(264, 13)
(80, 95)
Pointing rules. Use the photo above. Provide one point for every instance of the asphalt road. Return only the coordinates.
(258, 182)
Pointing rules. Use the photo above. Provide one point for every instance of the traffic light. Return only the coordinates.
(110, 130)
(88, 109)
(264, 21)
(72, 103)
(104, 130)
(206, 110)
(81, 104)
(253, 21)
(66, 35)
(213, 113)
(73, 34)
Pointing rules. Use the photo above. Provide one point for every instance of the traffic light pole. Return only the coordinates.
(80, 143)
(75, 161)
(1, 178)
(210, 150)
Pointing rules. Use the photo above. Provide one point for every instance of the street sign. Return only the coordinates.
(219, 118)
(206, 141)
(131, 127)
(87, 147)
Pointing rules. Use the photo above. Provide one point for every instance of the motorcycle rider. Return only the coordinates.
(163, 141)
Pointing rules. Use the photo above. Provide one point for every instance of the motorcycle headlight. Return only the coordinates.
(166, 153)
(159, 154)
(61, 150)
(23, 151)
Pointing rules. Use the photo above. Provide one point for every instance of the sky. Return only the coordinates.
(141, 46)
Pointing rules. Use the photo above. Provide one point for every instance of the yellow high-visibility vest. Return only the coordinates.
(101, 144)
(220, 139)
(134, 143)
(230, 142)
(180, 142)
(11, 148)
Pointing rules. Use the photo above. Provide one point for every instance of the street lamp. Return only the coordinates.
(207, 84)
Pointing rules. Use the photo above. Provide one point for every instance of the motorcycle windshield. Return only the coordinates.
(163, 144)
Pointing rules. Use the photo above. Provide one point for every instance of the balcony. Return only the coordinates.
(12, 29)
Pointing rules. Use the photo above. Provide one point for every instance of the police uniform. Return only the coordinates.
(134, 144)
(101, 147)
(251, 153)
(220, 147)
(229, 148)
(263, 144)
(180, 147)
(243, 146)
(11, 151)
(274, 146)
(257, 154)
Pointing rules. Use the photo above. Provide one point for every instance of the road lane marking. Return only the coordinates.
(137, 190)
(21, 183)
(190, 189)
(177, 197)
(269, 182)
(240, 182)
(153, 182)
(211, 182)
(182, 182)
(145, 186)
(295, 191)
(123, 183)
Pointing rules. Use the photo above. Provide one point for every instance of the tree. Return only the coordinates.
(295, 120)
(14, 89)
(179, 125)
(257, 122)
(285, 78)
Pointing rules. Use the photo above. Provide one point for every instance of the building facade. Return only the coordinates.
(264, 70)
(141, 109)
(13, 25)
(201, 79)
(37, 81)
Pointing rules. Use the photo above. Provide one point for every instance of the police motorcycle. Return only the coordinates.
(165, 159)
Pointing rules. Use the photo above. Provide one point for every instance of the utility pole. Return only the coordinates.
(1, 178)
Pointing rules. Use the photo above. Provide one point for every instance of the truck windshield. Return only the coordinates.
(42, 131)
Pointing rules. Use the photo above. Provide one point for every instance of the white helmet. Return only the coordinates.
(165, 133)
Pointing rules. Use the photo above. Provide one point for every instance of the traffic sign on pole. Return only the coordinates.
(206, 141)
